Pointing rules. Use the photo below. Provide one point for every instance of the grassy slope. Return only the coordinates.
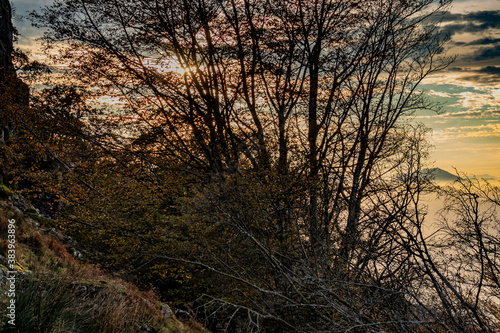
(57, 293)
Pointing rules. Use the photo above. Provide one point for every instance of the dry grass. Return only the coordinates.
(63, 294)
(4, 224)
(63, 304)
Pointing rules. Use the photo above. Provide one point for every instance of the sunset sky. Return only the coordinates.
(466, 134)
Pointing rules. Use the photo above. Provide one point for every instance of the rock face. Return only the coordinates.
(13, 92)
(6, 37)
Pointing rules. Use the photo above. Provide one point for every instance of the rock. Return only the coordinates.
(34, 210)
(6, 36)
(57, 234)
(6, 267)
(21, 203)
(5, 192)
(166, 311)
(183, 314)
(144, 328)
(3, 273)
(11, 87)
(121, 290)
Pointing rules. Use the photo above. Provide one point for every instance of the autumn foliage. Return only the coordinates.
(252, 160)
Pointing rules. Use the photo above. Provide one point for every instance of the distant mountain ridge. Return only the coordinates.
(486, 177)
(443, 175)
(439, 174)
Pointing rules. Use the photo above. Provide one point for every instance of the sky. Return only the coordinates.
(465, 135)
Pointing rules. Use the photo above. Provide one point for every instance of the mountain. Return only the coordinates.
(439, 174)
(486, 177)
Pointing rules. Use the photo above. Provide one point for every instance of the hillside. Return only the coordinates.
(55, 291)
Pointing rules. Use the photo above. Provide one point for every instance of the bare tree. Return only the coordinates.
(463, 260)
(289, 117)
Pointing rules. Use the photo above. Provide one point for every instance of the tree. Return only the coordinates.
(285, 121)
(461, 259)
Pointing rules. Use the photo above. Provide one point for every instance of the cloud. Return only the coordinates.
(467, 102)
(473, 115)
(475, 77)
(478, 100)
(465, 114)
(487, 53)
(480, 131)
(456, 69)
(469, 22)
(488, 75)
(478, 39)
(493, 70)
(440, 93)
(483, 41)
(484, 19)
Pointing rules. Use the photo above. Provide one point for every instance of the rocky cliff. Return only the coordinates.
(6, 37)
(13, 92)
